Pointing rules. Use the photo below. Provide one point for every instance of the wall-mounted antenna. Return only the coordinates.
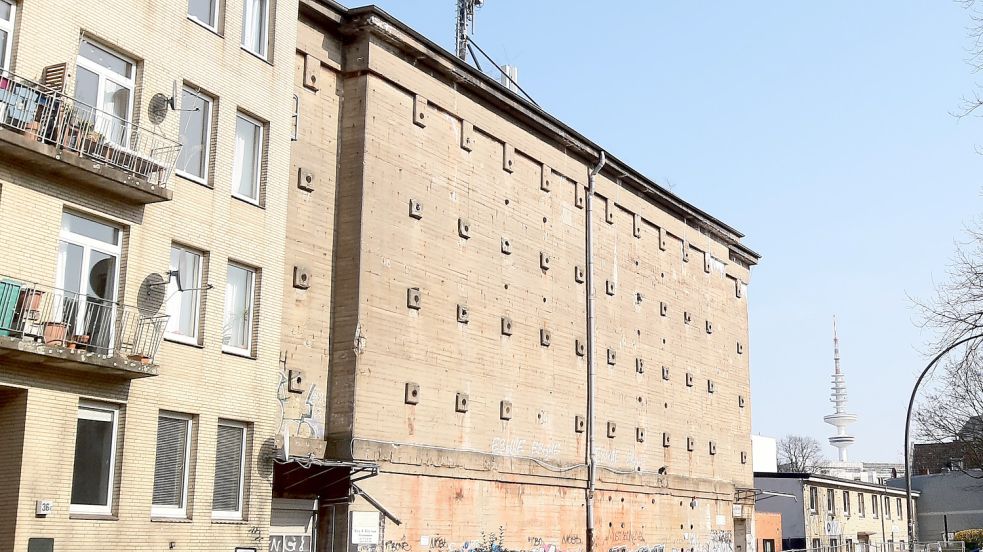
(465, 23)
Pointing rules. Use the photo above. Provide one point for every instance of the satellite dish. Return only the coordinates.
(152, 294)
(157, 110)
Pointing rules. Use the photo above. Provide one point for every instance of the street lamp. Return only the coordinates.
(907, 435)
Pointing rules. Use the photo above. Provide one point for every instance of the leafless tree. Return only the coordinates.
(797, 453)
(974, 58)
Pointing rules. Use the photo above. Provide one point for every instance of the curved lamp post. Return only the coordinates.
(907, 435)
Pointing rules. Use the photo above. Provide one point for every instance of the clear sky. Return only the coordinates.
(821, 130)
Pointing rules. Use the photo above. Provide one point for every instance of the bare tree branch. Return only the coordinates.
(800, 454)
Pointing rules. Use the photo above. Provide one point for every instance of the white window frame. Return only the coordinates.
(861, 507)
(235, 514)
(246, 20)
(172, 290)
(8, 26)
(258, 161)
(113, 411)
(104, 74)
(207, 144)
(248, 349)
(182, 510)
(205, 24)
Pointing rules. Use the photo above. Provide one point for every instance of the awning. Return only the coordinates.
(327, 479)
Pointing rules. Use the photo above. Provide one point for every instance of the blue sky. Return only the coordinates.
(822, 130)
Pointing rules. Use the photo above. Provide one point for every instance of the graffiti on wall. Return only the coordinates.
(720, 541)
(522, 447)
(308, 420)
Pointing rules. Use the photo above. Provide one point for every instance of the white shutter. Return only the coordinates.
(227, 495)
(170, 465)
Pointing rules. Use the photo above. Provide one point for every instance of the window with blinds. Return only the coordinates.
(171, 465)
(229, 459)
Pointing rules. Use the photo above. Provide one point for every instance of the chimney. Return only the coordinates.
(510, 72)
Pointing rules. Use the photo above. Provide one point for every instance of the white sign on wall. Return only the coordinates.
(365, 527)
(833, 528)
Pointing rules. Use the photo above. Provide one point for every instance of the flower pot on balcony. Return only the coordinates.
(55, 333)
(79, 342)
(139, 358)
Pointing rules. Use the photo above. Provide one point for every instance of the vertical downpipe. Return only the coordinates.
(589, 286)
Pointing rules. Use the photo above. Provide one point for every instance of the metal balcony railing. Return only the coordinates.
(61, 318)
(51, 117)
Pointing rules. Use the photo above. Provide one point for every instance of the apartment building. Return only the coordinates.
(822, 513)
(144, 153)
(444, 387)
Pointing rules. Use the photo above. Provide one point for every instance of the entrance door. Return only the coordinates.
(740, 535)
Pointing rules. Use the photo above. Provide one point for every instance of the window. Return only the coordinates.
(861, 506)
(194, 135)
(255, 26)
(230, 455)
(173, 458)
(900, 511)
(7, 12)
(95, 459)
(88, 269)
(246, 165)
(834, 545)
(816, 546)
(887, 507)
(768, 545)
(104, 80)
(204, 12)
(813, 499)
(849, 545)
(831, 501)
(184, 295)
(874, 501)
(846, 503)
(238, 328)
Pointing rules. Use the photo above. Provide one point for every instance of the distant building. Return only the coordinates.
(928, 458)
(821, 513)
(764, 453)
(949, 502)
(768, 531)
(867, 472)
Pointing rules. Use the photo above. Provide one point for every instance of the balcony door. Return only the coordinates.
(104, 82)
(88, 271)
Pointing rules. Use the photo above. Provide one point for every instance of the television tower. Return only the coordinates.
(839, 418)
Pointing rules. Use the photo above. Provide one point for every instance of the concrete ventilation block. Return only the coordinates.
(609, 287)
(636, 227)
(581, 347)
(685, 251)
(740, 401)
(461, 402)
(665, 440)
(578, 274)
(464, 228)
(544, 337)
(305, 179)
(663, 308)
(612, 429)
(416, 209)
(579, 424)
(743, 457)
(609, 211)
(413, 298)
(467, 136)
(690, 444)
(640, 434)
(421, 107)
(740, 348)
(689, 379)
(709, 327)
(612, 357)
(302, 277)
(711, 387)
(687, 317)
(462, 314)
(295, 381)
(506, 246)
(544, 260)
(505, 410)
(713, 447)
(506, 325)
(578, 196)
(547, 179)
(663, 243)
(737, 288)
(312, 68)
(412, 393)
(640, 365)
(706, 262)
(508, 158)
(665, 373)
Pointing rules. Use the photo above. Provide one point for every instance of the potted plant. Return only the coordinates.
(55, 333)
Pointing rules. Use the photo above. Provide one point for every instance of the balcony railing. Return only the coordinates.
(73, 321)
(51, 117)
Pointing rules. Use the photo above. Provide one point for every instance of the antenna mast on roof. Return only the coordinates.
(465, 22)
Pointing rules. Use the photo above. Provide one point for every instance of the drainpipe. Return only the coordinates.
(589, 286)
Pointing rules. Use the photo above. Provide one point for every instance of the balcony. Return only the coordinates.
(64, 329)
(67, 138)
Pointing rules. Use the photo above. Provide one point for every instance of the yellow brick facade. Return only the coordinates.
(39, 400)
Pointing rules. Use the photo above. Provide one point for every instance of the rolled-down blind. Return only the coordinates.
(170, 465)
(228, 469)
